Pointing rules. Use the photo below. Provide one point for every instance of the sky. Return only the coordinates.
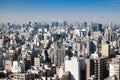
(21, 11)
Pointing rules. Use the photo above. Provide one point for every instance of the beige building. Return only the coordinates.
(8, 65)
(105, 50)
(88, 70)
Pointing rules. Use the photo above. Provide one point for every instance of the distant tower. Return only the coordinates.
(85, 24)
(111, 24)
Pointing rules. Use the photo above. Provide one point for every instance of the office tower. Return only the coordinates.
(55, 24)
(85, 24)
(65, 23)
(88, 42)
(87, 47)
(96, 27)
(44, 27)
(96, 67)
(73, 66)
(59, 54)
(110, 35)
(58, 36)
(115, 70)
(105, 50)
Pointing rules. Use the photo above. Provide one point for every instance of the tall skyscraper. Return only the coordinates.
(59, 54)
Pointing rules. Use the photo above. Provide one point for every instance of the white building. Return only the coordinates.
(115, 70)
(18, 67)
(37, 62)
(73, 66)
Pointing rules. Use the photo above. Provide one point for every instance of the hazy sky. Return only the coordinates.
(21, 11)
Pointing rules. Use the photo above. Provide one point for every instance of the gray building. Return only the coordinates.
(59, 54)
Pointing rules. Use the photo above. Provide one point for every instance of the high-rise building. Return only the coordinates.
(85, 24)
(55, 24)
(96, 27)
(65, 23)
(59, 54)
(73, 66)
(88, 69)
(106, 50)
(96, 67)
(115, 70)
(110, 35)
(88, 46)
(18, 67)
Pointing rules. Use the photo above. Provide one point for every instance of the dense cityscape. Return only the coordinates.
(59, 51)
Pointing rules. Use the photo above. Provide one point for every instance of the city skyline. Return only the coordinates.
(21, 11)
